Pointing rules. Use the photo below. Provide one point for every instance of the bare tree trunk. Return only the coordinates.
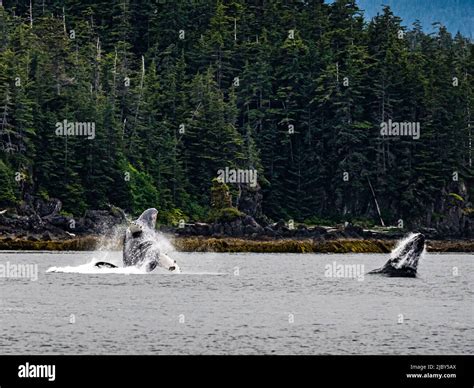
(141, 89)
(376, 203)
(235, 29)
(31, 14)
(97, 66)
(64, 22)
(469, 132)
(139, 98)
(115, 72)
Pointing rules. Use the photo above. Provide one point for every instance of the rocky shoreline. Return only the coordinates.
(40, 225)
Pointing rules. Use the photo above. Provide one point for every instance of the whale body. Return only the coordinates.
(140, 246)
(404, 258)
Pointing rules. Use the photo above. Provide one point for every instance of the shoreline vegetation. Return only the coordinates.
(235, 245)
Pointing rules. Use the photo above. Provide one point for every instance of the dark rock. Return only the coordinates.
(227, 230)
(334, 235)
(218, 229)
(249, 220)
(189, 230)
(186, 230)
(62, 222)
(296, 232)
(300, 232)
(269, 231)
(429, 232)
(202, 229)
(250, 230)
(46, 236)
(249, 200)
(47, 208)
(317, 231)
(102, 221)
(236, 228)
(26, 206)
(279, 225)
(263, 220)
(78, 226)
(353, 231)
(35, 223)
(168, 229)
(369, 234)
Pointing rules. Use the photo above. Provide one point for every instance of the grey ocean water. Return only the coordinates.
(237, 304)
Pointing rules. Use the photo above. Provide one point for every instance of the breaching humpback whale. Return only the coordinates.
(404, 258)
(140, 247)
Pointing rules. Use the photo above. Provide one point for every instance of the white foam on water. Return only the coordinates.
(104, 253)
(90, 268)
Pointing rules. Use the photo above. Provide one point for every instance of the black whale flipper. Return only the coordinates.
(103, 264)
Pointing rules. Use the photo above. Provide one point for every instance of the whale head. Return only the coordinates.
(142, 245)
(418, 243)
(404, 258)
(408, 252)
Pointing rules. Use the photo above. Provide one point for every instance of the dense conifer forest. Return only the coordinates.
(310, 95)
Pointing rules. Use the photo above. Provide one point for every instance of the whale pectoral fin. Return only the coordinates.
(103, 264)
(389, 265)
(374, 271)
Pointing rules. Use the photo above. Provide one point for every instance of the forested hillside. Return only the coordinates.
(456, 15)
(177, 90)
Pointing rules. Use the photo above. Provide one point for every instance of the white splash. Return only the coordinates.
(106, 251)
(404, 254)
(90, 268)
